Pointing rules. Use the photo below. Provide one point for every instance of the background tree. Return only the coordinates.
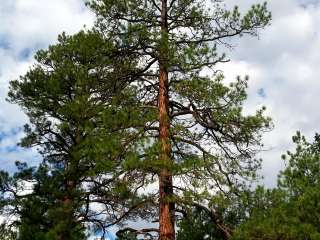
(201, 145)
(203, 222)
(290, 211)
(7, 234)
(198, 226)
(76, 100)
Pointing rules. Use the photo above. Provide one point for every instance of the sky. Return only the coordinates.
(283, 64)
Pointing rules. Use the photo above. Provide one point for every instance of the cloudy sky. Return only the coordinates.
(283, 64)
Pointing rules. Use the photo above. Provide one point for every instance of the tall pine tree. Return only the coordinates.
(201, 145)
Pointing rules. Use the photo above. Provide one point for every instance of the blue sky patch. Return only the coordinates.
(11, 149)
(4, 42)
(25, 53)
(12, 132)
(262, 93)
(108, 235)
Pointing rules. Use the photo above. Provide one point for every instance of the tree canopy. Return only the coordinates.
(202, 145)
(135, 121)
(78, 121)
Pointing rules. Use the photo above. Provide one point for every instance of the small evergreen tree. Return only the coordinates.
(76, 99)
(292, 210)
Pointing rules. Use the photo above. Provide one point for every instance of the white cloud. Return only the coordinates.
(26, 26)
(33, 23)
(285, 63)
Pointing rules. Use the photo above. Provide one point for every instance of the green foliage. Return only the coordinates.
(198, 226)
(92, 100)
(288, 212)
(127, 236)
(76, 100)
(292, 210)
(6, 233)
(212, 141)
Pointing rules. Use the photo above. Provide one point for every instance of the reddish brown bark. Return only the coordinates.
(166, 208)
(67, 206)
(68, 199)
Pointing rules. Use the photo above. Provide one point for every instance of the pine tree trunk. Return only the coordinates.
(68, 201)
(166, 208)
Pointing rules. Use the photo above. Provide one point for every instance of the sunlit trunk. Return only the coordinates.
(166, 208)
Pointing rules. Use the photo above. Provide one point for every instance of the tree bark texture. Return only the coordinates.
(166, 208)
